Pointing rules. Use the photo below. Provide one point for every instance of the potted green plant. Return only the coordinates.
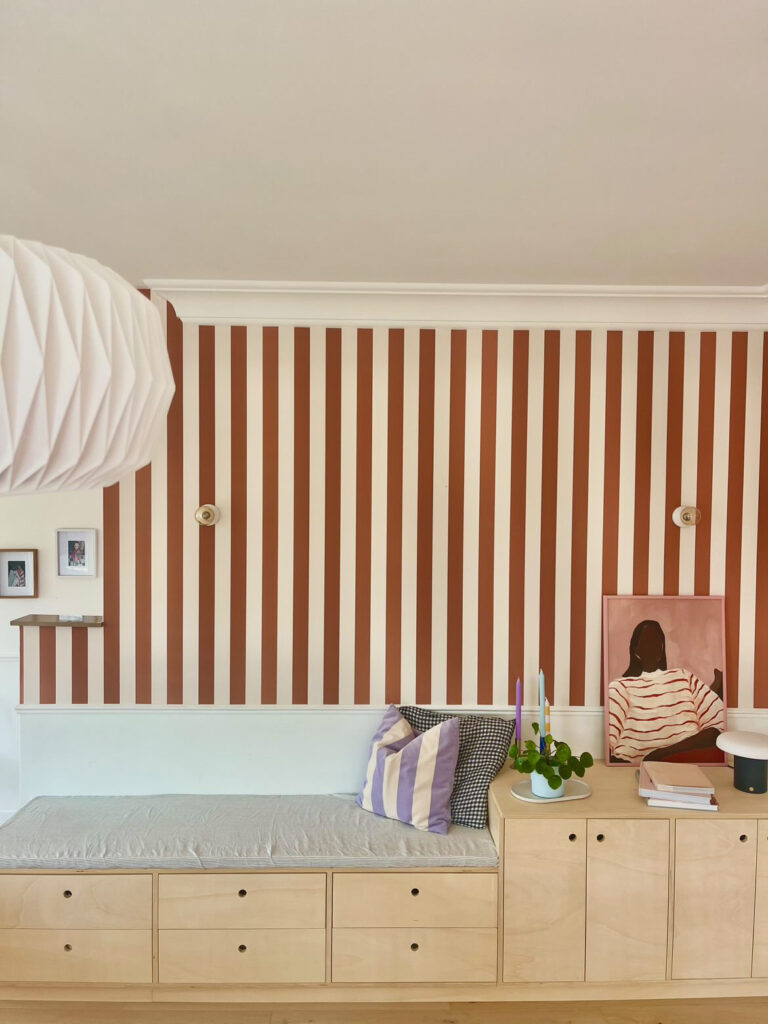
(549, 768)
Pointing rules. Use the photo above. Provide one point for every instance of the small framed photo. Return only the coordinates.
(76, 552)
(18, 572)
(665, 693)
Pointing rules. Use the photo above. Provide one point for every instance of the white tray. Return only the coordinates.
(575, 789)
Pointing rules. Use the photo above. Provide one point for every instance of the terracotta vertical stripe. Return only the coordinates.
(48, 664)
(456, 513)
(111, 513)
(643, 461)
(175, 505)
(519, 474)
(301, 517)
(549, 506)
(580, 514)
(207, 495)
(612, 457)
(425, 511)
(486, 538)
(761, 596)
(395, 409)
(79, 666)
(332, 514)
(735, 508)
(238, 513)
(674, 458)
(363, 517)
(705, 454)
(143, 584)
(269, 520)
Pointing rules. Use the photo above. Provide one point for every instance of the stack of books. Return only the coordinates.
(682, 786)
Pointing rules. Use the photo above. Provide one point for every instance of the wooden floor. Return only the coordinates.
(688, 1011)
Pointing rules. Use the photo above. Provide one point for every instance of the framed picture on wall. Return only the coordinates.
(76, 552)
(665, 696)
(18, 572)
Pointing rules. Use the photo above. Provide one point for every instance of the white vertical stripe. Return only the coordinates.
(254, 527)
(564, 514)
(128, 589)
(190, 528)
(223, 530)
(348, 515)
(657, 522)
(379, 451)
(471, 545)
(440, 517)
(533, 517)
(596, 491)
(502, 512)
(96, 667)
(31, 640)
(720, 457)
(690, 456)
(316, 637)
(63, 666)
(626, 546)
(159, 527)
(410, 514)
(285, 514)
(747, 610)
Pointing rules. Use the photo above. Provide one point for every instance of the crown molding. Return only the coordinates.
(373, 303)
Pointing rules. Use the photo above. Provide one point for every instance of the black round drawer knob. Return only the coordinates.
(743, 838)
(67, 948)
(414, 892)
(414, 946)
(572, 837)
(600, 837)
(241, 949)
(67, 894)
(242, 892)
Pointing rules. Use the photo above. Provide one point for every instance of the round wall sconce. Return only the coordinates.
(686, 515)
(208, 515)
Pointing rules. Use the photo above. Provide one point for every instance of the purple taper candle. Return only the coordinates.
(519, 714)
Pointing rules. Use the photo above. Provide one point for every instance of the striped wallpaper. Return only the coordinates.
(423, 515)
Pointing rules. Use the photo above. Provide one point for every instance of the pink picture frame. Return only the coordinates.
(664, 682)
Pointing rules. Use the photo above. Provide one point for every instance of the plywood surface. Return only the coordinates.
(614, 795)
(242, 901)
(684, 1011)
(415, 898)
(76, 901)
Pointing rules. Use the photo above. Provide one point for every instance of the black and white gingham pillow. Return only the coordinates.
(484, 742)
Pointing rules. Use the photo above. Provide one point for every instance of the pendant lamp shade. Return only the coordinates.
(85, 380)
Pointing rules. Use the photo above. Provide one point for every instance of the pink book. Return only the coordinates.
(678, 778)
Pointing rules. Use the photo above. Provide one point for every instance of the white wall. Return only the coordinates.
(31, 521)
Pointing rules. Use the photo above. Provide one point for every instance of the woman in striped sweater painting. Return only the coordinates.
(658, 713)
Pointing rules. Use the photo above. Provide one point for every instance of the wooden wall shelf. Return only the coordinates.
(87, 621)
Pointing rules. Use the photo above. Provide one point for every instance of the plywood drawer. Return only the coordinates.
(76, 901)
(414, 954)
(429, 900)
(76, 956)
(242, 901)
(242, 956)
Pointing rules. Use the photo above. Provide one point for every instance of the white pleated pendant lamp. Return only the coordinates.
(85, 380)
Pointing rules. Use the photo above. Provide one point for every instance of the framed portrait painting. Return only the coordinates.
(76, 552)
(18, 572)
(665, 695)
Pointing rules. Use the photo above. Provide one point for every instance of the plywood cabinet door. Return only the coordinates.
(760, 953)
(714, 898)
(627, 900)
(544, 900)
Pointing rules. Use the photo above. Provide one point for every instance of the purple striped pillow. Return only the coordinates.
(410, 774)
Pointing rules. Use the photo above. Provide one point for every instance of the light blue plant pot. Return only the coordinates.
(540, 787)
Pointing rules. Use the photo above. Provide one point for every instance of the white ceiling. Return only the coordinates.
(568, 141)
